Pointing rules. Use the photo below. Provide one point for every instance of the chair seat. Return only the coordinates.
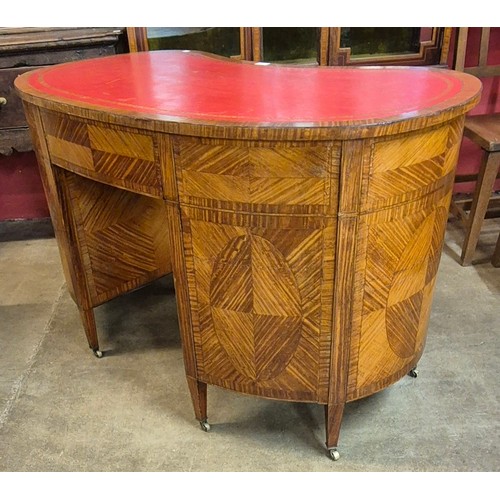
(484, 130)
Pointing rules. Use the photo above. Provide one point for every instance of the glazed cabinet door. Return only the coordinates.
(305, 46)
(402, 46)
(309, 46)
(222, 41)
(349, 46)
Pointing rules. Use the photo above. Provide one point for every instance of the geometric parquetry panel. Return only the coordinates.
(401, 264)
(122, 236)
(256, 297)
(259, 256)
(405, 169)
(258, 325)
(260, 178)
(118, 156)
(403, 220)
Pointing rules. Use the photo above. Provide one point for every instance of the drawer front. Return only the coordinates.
(266, 177)
(11, 113)
(117, 156)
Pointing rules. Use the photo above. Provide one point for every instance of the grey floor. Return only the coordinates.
(62, 409)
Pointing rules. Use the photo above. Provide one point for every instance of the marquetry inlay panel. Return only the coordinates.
(122, 247)
(259, 280)
(401, 261)
(261, 305)
(120, 157)
(399, 250)
(407, 168)
(266, 177)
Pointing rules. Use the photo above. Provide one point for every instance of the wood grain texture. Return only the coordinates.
(64, 228)
(399, 251)
(431, 51)
(484, 130)
(354, 161)
(122, 247)
(26, 49)
(255, 276)
(118, 156)
(488, 171)
(70, 262)
(304, 256)
(111, 241)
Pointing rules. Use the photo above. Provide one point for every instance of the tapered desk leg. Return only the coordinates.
(333, 420)
(88, 320)
(198, 392)
(55, 185)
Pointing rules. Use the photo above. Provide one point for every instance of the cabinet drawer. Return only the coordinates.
(114, 155)
(11, 113)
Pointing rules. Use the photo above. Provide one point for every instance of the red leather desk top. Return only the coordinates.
(188, 86)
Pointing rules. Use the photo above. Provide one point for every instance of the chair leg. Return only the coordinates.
(482, 194)
(496, 255)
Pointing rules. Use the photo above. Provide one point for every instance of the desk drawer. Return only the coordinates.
(113, 155)
(11, 113)
(14, 133)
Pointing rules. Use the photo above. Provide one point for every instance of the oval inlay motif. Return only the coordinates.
(405, 297)
(256, 307)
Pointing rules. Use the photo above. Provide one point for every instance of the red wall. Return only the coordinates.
(21, 193)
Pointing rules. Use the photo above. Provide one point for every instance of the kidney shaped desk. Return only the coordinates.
(302, 210)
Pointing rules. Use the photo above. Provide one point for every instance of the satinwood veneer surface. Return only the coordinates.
(301, 209)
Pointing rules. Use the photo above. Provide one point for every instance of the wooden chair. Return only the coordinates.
(496, 256)
(484, 130)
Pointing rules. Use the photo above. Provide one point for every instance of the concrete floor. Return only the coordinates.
(62, 409)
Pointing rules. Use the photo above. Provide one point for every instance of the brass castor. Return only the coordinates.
(205, 426)
(413, 373)
(334, 454)
(97, 353)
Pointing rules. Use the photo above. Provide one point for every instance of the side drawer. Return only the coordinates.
(114, 155)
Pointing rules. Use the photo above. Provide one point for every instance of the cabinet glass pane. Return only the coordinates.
(222, 41)
(365, 42)
(296, 45)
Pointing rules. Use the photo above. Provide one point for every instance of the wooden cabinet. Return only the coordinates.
(23, 49)
(307, 45)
